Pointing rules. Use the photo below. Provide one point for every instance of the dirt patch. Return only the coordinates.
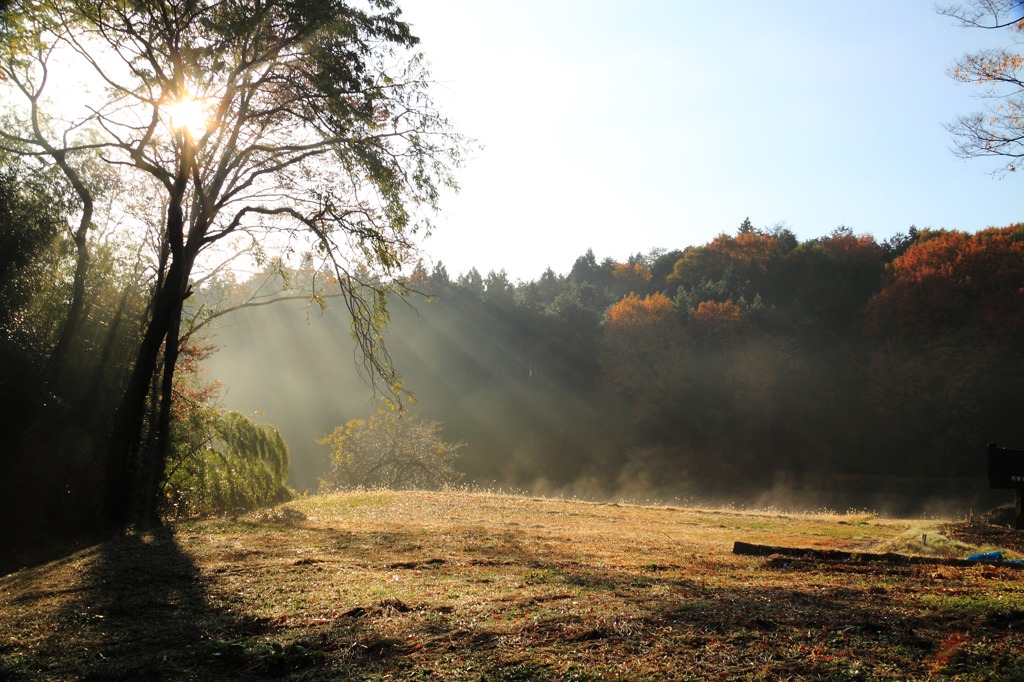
(987, 536)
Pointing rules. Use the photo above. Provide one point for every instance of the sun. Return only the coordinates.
(189, 114)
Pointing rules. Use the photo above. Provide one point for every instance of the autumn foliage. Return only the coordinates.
(752, 354)
(717, 318)
(644, 350)
(996, 131)
(952, 278)
(747, 247)
(633, 313)
(631, 272)
(747, 254)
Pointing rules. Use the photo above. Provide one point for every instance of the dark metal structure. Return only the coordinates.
(1006, 470)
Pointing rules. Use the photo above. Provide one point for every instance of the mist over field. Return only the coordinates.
(810, 393)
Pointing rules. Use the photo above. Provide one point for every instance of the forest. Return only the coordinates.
(214, 297)
(862, 372)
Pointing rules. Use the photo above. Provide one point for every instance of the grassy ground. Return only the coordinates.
(480, 586)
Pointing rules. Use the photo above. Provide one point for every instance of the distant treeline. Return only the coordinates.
(748, 359)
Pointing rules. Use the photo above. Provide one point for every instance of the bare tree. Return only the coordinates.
(999, 129)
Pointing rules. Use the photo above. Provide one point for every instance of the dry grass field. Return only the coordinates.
(485, 586)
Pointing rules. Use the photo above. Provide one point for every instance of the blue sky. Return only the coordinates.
(625, 127)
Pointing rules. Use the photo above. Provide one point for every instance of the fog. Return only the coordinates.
(296, 369)
(528, 429)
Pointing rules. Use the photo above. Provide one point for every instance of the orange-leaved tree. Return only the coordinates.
(645, 351)
(947, 326)
(635, 315)
(631, 277)
(953, 278)
(741, 266)
(715, 319)
(831, 278)
(999, 130)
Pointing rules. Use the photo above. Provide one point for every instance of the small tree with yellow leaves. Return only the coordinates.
(391, 450)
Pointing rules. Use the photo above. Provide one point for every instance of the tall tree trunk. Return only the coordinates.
(99, 372)
(156, 462)
(123, 446)
(129, 468)
(59, 354)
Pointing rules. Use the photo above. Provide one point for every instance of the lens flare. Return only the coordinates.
(189, 114)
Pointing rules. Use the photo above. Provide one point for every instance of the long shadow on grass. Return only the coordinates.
(675, 625)
(143, 614)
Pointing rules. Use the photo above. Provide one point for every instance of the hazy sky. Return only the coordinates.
(625, 126)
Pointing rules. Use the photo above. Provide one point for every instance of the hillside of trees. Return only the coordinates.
(208, 267)
(756, 368)
(748, 364)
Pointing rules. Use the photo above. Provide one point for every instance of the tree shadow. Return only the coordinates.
(816, 628)
(142, 611)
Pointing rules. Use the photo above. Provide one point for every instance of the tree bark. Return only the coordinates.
(156, 462)
(59, 355)
(123, 446)
(127, 476)
(792, 554)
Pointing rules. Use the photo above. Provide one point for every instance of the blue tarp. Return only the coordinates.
(987, 557)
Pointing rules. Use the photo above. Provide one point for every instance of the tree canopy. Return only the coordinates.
(391, 450)
(997, 131)
(274, 126)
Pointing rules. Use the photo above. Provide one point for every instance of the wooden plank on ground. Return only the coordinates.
(840, 556)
